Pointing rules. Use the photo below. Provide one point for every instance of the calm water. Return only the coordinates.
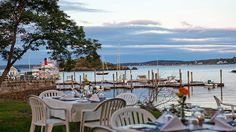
(201, 95)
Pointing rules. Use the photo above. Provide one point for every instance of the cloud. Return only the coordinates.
(77, 6)
(199, 46)
(196, 39)
(139, 43)
(228, 51)
(153, 32)
(186, 24)
(133, 23)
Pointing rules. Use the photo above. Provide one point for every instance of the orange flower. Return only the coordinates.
(179, 94)
(183, 90)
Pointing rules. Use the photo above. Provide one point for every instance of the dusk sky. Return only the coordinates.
(144, 30)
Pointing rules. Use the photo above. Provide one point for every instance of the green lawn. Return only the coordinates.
(15, 116)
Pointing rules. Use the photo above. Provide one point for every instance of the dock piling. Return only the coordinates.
(191, 82)
(180, 77)
(80, 81)
(221, 84)
(188, 84)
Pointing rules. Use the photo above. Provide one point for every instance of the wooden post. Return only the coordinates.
(74, 76)
(191, 76)
(221, 90)
(180, 77)
(63, 76)
(125, 74)
(155, 80)
(131, 85)
(148, 75)
(113, 81)
(95, 78)
(221, 81)
(188, 84)
(83, 76)
(116, 77)
(72, 81)
(124, 78)
(191, 82)
(152, 77)
(80, 81)
(158, 71)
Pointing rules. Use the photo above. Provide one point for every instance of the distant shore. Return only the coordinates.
(126, 66)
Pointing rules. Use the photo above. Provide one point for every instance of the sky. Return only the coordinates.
(144, 30)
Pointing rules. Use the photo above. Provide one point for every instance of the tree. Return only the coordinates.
(30, 24)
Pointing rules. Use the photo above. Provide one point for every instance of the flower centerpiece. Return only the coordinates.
(182, 94)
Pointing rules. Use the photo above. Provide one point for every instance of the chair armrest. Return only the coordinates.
(226, 104)
(83, 113)
(230, 105)
(59, 108)
(82, 118)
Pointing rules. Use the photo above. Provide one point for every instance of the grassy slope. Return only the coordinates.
(15, 116)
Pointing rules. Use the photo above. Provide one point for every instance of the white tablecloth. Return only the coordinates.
(74, 109)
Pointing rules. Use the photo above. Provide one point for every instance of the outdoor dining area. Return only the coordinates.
(97, 113)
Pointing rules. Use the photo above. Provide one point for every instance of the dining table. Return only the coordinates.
(74, 106)
(157, 127)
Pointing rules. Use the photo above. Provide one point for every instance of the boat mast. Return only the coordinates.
(102, 70)
(118, 62)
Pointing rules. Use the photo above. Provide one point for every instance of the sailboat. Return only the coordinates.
(103, 72)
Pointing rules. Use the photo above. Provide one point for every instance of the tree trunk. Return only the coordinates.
(4, 74)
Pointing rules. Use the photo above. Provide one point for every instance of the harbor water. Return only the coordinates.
(201, 95)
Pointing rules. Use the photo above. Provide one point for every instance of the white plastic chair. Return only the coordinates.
(130, 98)
(219, 103)
(50, 93)
(41, 115)
(102, 129)
(105, 109)
(130, 115)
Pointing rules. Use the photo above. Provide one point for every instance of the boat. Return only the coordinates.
(103, 72)
(234, 71)
(47, 70)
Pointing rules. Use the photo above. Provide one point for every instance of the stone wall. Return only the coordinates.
(21, 89)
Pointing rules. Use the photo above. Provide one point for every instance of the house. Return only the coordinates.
(13, 73)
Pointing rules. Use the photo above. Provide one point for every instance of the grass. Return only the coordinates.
(15, 116)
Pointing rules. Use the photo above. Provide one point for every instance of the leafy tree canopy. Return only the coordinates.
(29, 24)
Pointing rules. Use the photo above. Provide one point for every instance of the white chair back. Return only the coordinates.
(41, 115)
(50, 93)
(105, 109)
(130, 115)
(38, 110)
(130, 98)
